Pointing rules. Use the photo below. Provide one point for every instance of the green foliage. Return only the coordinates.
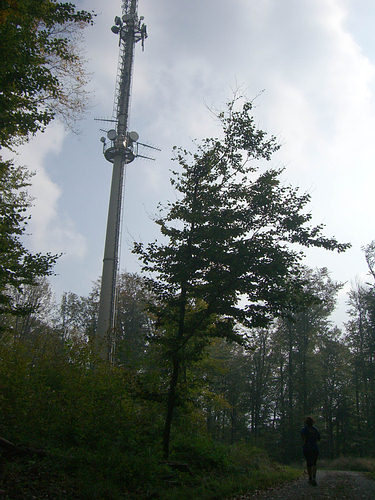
(228, 231)
(102, 437)
(133, 324)
(249, 457)
(228, 471)
(101, 427)
(201, 452)
(61, 399)
(37, 306)
(41, 73)
(52, 399)
(361, 342)
(360, 464)
(262, 391)
(78, 316)
(18, 266)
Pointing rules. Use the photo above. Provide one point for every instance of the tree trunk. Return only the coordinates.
(170, 407)
(174, 376)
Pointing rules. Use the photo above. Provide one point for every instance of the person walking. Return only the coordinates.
(310, 436)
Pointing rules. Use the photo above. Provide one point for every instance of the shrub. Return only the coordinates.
(200, 451)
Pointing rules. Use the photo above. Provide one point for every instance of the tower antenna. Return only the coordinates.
(121, 149)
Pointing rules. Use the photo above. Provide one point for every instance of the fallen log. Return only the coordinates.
(11, 450)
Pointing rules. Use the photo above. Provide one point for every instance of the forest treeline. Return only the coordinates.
(258, 392)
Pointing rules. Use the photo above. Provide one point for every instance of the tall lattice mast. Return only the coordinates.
(121, 150)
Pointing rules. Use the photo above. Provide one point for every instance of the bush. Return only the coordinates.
(87, 420)
(103, 438)
(200, 452)
(247, 457)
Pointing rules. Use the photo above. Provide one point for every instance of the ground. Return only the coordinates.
(340, 485)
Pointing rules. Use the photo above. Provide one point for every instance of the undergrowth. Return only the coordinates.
(360, 464)
(103, 439)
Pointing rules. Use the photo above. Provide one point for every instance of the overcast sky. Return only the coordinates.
(310, 62)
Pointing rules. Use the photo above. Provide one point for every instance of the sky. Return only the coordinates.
(309, 66)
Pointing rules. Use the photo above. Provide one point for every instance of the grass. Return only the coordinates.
(360, 464)
(356, 464)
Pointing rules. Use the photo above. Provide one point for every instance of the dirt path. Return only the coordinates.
(340, 485)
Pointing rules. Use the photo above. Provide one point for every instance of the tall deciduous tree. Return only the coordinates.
(132, 324)
(229, 237)
(335, 395)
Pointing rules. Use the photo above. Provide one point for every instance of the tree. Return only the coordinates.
(361, 340)
(72, 315)
(335, 394)
(370, 257)
(41, 75)
(37, 306)
(41, 72)
(224, 377)
(229, 240)
(132, 323)
(18, 266)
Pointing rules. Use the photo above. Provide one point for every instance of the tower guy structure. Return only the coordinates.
(121, 149)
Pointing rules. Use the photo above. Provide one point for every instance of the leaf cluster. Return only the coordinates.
(41, 72)
(18, 266)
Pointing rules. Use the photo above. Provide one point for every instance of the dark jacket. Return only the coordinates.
(311, 437)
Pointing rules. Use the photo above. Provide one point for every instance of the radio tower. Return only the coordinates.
(121, 150)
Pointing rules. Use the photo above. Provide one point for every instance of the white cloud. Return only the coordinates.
(48, 230)
(320, 100)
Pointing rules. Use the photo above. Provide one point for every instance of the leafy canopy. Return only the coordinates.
(41, 75)
(41, 71)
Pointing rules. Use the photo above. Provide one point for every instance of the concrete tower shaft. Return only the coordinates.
(130, 30)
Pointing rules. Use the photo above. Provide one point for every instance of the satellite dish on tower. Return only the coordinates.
(112, 134)
(133, 136)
